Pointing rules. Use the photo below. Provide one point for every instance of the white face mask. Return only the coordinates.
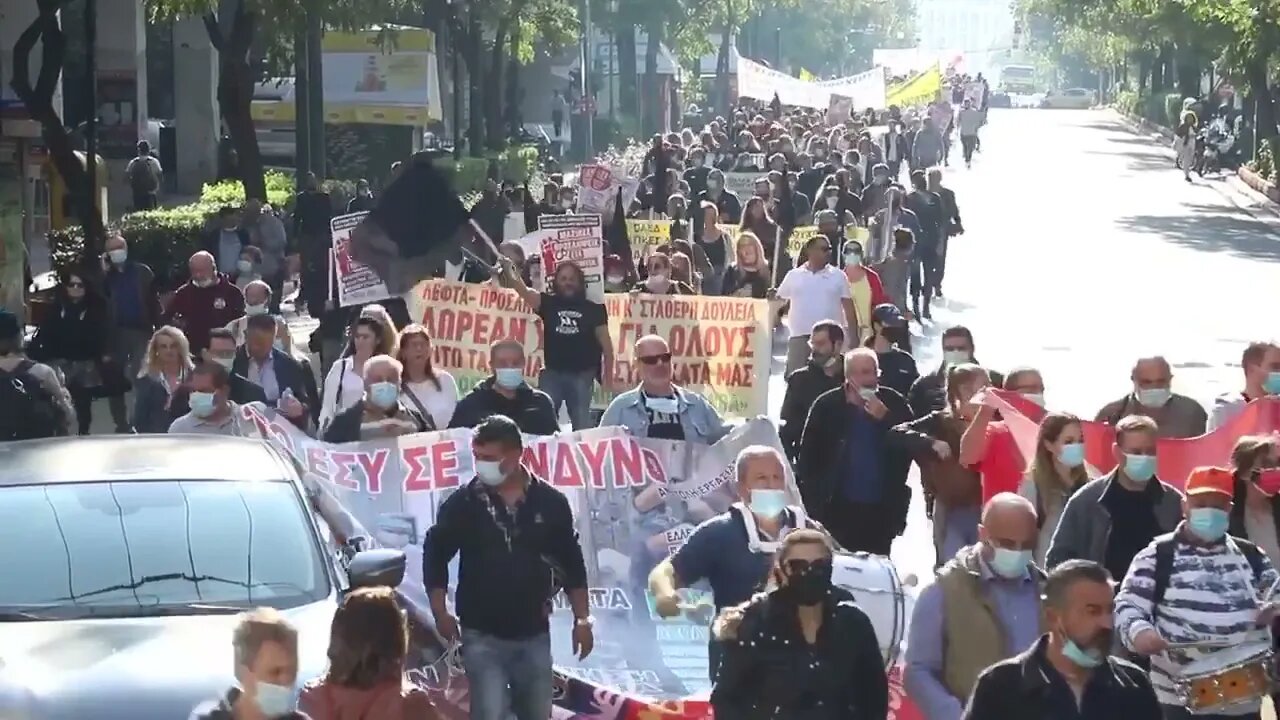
(207, 282)
(490, 472)
(252, 310)
(832, 202)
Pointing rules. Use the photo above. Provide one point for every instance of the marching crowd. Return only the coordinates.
(1021, 620)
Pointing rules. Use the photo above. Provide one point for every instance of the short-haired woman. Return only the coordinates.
(803, 649)
(368, 644)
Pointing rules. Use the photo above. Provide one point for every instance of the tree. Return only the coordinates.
(245, 44)
(38, 100)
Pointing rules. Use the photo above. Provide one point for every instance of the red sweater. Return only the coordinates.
(197, 310)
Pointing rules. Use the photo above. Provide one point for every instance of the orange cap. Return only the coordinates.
(1211, 480)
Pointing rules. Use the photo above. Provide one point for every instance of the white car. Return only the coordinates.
(1073, 99)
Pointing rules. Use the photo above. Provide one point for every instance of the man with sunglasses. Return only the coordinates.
(984, 607)
(658, 408)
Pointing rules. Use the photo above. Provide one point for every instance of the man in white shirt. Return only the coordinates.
(816, 291)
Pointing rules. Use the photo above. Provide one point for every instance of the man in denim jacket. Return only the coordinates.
(660, 409)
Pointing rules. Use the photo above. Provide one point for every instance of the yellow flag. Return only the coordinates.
(807, 76)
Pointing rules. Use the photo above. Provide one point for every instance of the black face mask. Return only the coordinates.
(808, 585)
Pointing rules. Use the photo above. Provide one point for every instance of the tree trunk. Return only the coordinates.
(495, 131)
(652, 106)
(628, 97)
(235, 97)
(475, 81)
(1157, 73)
(1188, 71)
(1265, 110)
(38, 101)
(514, 113)
(722, 59)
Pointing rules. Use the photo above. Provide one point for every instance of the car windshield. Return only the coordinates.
(130, 548)
(1014, 72)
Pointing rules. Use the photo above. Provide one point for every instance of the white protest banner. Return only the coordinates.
(598, 187)
(635, 501)
(578, 239)
(864, 90)
(762, 83)
(357, 282)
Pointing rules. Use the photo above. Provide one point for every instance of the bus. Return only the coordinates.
(1018, 79)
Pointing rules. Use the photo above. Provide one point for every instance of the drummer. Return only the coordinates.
(1215, 589)
(721, 549)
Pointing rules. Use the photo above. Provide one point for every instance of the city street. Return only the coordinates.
(1086, 249)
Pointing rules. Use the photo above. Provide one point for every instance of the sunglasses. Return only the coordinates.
(655, 359)
(75, 285)
(797, 566)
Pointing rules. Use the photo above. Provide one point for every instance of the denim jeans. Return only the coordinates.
(508, 677)
(572, 389)
(953, 529)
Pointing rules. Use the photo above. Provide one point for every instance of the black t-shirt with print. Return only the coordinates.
(569, 331)
(662, 426)
(738, 283)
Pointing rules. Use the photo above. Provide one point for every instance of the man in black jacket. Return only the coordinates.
(929, 392)
(952, 226)
(1068, 673)
(280, 377)
(850, 478)
(824, 372)
(506, 393)
(517, 547)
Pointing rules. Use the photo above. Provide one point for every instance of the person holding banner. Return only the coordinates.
(1261, 364)
(803, 649)
(658, 408)
(517, 548)
(212, 412)
(379, 413)
(575, 333)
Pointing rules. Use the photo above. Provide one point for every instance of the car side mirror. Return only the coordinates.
(381, 567)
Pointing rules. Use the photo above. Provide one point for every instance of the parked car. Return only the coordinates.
(1073, 99)
(127, 559)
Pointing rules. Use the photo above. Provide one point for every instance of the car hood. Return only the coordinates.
(133, 668)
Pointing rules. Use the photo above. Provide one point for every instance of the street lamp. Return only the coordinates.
(613, 53)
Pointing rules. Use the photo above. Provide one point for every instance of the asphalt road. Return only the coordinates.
(1086, 249)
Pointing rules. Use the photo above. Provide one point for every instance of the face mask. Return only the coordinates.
(713, 185)
(1268, 481)
(244, 266)
(509, 378)
(666, 406)
(808, 586)
(819, 153)
(955, 357)
(866, 393)
(201, 404)
(832, 202)
(566, 204)
(615, 279)
(274, 700)
(768, 503)
(1010, 564)
(118, 256)
(278, 344)
(490, 472)
(659, 278)
(225, 362)
(1272, 384)
(1208, 524)
(1037, 398)
(1087, 659)
(1140, 467)
(1072, 455)
(384, 394)
(820, 359)
(252, 310)
(853, 259)
(207, 282)
(1155, 397)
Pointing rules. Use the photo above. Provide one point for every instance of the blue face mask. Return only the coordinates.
(1010, 564)
(1140, 467)
(275, 700)
(1087, 659)
(1154, 397)
(201, 404)
(768, 503)
(509, 378)
(1072, 455)
(1208, 524)
(384, 394)
(1272, 383)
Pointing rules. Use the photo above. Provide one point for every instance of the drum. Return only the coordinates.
(886, 598)
(1226, 677)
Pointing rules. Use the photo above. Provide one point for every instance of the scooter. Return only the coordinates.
(1215, 145)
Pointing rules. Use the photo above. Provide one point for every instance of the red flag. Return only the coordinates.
(1175, 457)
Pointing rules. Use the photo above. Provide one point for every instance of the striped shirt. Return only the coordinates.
(1212, 595)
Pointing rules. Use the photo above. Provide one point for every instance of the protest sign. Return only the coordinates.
(742, 184)
(645, 235)
(721, 347)
(634, 500)
(598, 187)
(357, 283)
(578, 239)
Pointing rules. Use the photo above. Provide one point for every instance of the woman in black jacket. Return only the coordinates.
(954, 491)
(73, 338)
(801, 651)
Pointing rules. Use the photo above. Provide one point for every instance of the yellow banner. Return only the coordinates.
(721, 347)
(919, 90)
(646, 235)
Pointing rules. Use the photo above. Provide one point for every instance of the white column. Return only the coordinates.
(195, 105)
(122, 66)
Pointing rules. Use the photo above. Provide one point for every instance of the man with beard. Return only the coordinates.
(1068, 672)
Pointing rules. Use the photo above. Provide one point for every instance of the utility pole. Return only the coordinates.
(301, 111)
(588, 103)
(315, 98)
(93, 244)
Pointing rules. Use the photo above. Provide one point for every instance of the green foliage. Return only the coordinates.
(1264, 163)
(163, 239)
(231, 192)
(1172, 110)
(1129, 102)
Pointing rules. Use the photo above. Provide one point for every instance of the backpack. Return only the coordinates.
(1165, 547)
(142, 177)
(31, 410)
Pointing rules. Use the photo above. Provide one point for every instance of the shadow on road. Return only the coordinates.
(1142, 161)
(1207, 227)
